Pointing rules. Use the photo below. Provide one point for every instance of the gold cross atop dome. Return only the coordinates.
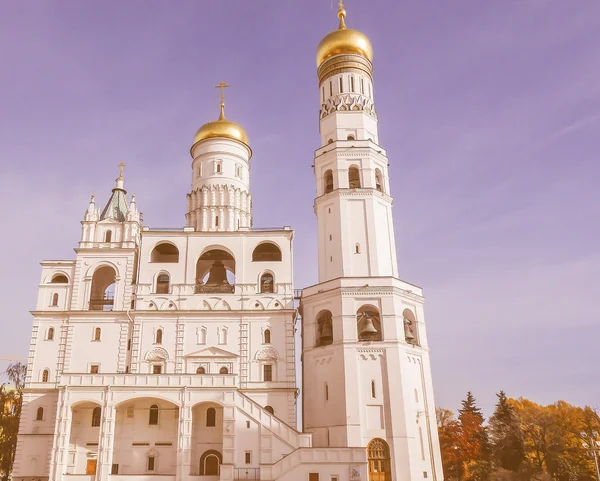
(221, 128)
(222, 86)
(121, 167)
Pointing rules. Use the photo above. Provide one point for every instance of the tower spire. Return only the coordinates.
(341, 15)
(222, 86)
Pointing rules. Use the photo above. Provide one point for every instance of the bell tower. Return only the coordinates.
(367, 379)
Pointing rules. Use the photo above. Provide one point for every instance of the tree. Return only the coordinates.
(450, 442)
(475, 445)
(506, 436)
(10, 415)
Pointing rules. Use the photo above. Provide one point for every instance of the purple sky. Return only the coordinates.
(489, 111)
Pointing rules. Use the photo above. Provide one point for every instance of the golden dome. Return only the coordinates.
(221, 128)
(344, 41)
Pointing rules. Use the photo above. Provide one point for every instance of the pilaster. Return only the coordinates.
(107, 435)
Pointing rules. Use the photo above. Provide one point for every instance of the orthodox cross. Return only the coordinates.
(222, 86)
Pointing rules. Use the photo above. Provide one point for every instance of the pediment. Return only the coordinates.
(212, 352)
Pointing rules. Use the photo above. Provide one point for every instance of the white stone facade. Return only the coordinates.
(170, 354)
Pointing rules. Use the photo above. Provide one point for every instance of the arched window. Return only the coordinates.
(159, 333)
(162, 283)
(59, 279)
(217, 221)
(153, 417)
(211, 417)
(267, 336)
(165, 252)
(222, 335)
(102, 293)
(267, 283)
(201, 370)
(267, 373)
(54, 300)
(330, 141)
(270, 409)
(368, 324)
(373, 393)
(108, 236)
(223, 370)
(266, 252)
(328, 177)
(378, 180)
(40, 414)
(350, 137)
(357, 248)
(50, 335)
(97, 334)
(45, 375)
(353, 177)
(96, 415)
(201, 332)
(324, 328)
(218, 167)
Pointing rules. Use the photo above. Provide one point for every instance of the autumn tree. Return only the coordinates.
(10, 414)
(474, 445)
(450, 443)
(506, 436)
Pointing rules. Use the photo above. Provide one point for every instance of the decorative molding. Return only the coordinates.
(348, 102)
(157, 353)
(266, 353)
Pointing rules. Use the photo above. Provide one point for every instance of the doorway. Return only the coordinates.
(90, 467)
(378, 453)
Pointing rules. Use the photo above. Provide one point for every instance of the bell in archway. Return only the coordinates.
(368, 329)
(326, 332)
(217, 275)
(408, 331)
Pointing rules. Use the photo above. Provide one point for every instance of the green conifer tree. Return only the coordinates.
(506, 436)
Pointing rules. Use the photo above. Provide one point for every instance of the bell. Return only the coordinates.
(368, 329)
(217, 275)
(408, 332)
(326, 333)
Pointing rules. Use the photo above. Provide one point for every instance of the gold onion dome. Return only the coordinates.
(221, 128)
(344, 41)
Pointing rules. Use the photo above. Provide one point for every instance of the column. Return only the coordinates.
(184, 438)
(62, 433)
(107, 436)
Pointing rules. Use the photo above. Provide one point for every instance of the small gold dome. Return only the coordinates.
(221, 128)
(344, 41)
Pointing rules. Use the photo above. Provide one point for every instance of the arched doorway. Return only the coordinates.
(378, 453)
(85, 437)
(210, 462)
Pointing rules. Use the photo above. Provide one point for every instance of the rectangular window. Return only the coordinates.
(248, 457)
(341, 85)
(157, 369)
(129, 412)
(323, 100)
(115, 469)
(335, 478)
(313, 476)
(151, 463)
(362, 86)
(330, 88)
(94, 368)
(352, 84)
(268, 373)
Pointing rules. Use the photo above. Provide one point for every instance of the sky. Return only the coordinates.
(489, 112)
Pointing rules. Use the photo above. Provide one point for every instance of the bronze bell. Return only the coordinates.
(326, 332)
(368, 329)
(217, 275)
